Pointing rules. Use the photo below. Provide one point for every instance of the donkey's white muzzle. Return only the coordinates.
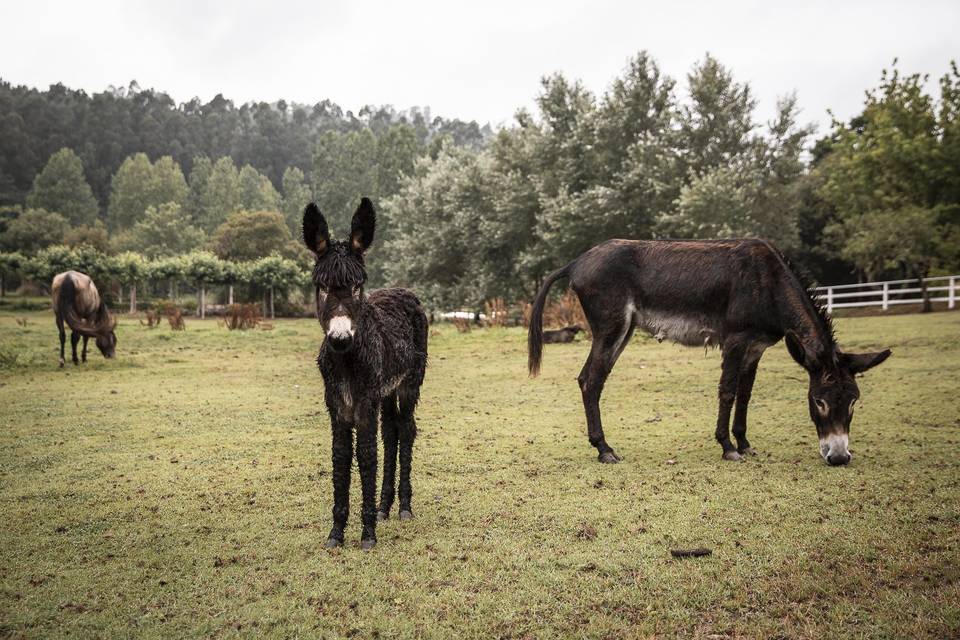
(834, 449)
(340, 328)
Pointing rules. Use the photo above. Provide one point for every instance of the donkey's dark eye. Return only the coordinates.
(822, 406)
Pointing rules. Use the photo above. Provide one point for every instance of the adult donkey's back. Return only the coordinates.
(740, 295)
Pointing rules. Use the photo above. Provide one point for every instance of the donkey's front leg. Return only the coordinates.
(367, 462)
(342, 456)
(744, 390)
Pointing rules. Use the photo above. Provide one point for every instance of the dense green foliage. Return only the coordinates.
(465, 215)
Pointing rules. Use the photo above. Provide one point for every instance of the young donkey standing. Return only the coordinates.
(372, 359)
(740, 295)
(77, 303)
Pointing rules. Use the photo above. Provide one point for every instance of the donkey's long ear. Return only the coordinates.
(316, 234)
(361, 229)
(860, 362)
(797, 351)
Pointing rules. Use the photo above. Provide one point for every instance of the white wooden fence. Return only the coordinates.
(884, 294)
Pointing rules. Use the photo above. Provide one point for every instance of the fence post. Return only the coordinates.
(952, 294)
(829, 299)
(886, 296)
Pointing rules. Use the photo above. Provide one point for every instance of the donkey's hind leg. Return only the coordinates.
(609, 340)
(83, 354)
(74, 340)
(389, 426)
(407, 432)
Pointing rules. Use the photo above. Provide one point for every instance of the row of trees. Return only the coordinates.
(200, 269)
(877, 196)
(107, 127)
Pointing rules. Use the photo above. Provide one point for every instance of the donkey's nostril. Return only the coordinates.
(838, 459)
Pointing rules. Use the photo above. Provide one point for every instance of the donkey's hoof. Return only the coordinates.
(733, 456)
(609, 457)
(333, 543)
(368, 543)
(749, 451)
(382, 515)
(406, 514)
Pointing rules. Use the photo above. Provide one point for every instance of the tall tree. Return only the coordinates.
(256, 191)
(248, 235)
(296, 196)
(163, 231)
(61, 187)
(33, 230)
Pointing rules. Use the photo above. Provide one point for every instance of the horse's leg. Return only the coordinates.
(606, 348)
(63, 338)
(342, 455)
(744, 390)
(83, 355)
(389, 418)
(74, 339)
(408, 397)
(367, 463)
(733, 354)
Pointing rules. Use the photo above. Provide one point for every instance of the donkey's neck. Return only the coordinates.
(799, 314)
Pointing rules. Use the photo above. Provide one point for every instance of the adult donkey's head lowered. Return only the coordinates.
(833, 392)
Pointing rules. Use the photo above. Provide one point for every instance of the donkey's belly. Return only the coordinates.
(692, 330)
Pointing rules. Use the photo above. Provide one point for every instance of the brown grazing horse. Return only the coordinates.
(740, 295)
(77, 303)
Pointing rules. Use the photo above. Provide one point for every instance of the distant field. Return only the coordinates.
(184, 490)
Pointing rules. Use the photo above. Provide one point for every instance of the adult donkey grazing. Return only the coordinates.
(740, 295)
(77, 303)
(372, 359)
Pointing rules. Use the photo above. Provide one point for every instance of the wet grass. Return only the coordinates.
(184, 490)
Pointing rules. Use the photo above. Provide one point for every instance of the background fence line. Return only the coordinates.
(890, 292)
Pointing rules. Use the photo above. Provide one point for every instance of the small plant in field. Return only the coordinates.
(242, 316)
(496, 313)
(565, 312)
(152, 319)
(172, 313)
(22, 322)
(462, 325)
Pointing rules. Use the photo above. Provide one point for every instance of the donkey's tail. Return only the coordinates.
(535, 334)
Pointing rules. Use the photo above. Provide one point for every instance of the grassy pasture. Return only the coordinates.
(184, 490)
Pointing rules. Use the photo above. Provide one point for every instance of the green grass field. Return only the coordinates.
(184, 490)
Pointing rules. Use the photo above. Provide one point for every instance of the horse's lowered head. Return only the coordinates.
(833, 393)
(102, 329)
(339, 272)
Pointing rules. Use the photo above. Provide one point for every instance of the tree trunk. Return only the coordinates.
(3, 286)
(203, 302)
(927, 306)
(170, 287)
(271, 304)
(133, 297)
(120, 294)
(230, 294)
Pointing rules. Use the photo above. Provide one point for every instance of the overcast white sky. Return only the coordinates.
(479, 60)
